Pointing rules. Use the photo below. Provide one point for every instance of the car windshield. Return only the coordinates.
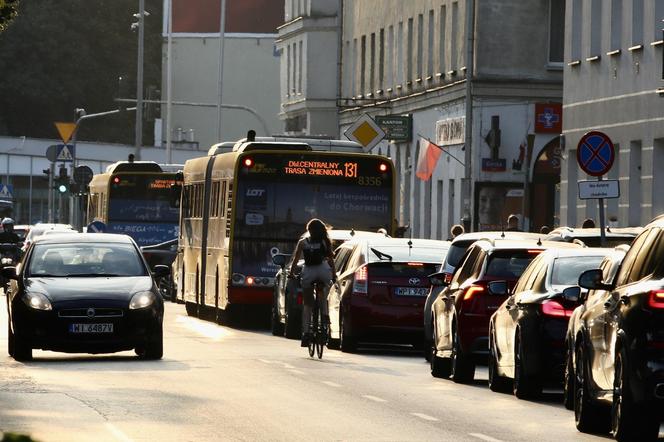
(85, 260)
(566, 271)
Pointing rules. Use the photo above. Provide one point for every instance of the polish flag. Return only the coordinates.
(426, 162)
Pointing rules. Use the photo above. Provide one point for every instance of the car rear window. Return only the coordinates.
(399, 269)
(509, 264)
(566, 271)
(456, 252)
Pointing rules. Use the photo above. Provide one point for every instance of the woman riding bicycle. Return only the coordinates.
(318, 268)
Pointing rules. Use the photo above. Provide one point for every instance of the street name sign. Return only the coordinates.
(396, 127)
(366, 132)
(599, 189)
(595, 153)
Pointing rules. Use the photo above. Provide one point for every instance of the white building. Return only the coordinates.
(251, 70)
(309, 46)
(613, 81)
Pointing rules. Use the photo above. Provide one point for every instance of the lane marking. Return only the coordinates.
(208, 330)
(115, 431)
(484, 437)
(331, 384)
(288, 366)
(426, 417)
(296, 371)
(265, 361)
(373, 398)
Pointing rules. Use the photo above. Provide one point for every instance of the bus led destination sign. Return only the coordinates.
(324, 168)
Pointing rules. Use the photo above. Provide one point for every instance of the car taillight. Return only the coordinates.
(656, 299)
(360, 281)
(471, 291)
(554, 308)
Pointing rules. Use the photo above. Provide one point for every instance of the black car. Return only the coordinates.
(163, 254)
(619, 346)
(589, 300)
(527, 332)
(84, 293)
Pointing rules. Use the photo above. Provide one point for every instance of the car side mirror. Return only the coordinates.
(9, 272)
(592, 280)
(498, 288)
(161, 271)
(572, 294)
(439, 279)
(280, 259)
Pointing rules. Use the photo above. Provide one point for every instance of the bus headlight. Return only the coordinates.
(37, 301)
(142, 300)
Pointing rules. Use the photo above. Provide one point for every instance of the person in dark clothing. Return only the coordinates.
(513, 223)
(318, 267)
(7, 235)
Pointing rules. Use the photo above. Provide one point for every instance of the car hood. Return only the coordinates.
(117, 288)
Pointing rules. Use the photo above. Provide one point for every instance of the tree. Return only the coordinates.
(58, 56)
(8, 10)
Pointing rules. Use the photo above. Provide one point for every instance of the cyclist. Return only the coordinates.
(7, 235)
(318, 267)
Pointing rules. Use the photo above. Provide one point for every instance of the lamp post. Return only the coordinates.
(142, 13)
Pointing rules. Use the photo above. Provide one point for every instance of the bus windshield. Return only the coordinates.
(139, 205)
(273, 207)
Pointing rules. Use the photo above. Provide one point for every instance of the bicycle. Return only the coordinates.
(318, 331)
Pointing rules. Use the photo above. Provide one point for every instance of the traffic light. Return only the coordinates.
(62, 182)
(47, 174)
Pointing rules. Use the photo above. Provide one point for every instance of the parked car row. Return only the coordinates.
(541, 311)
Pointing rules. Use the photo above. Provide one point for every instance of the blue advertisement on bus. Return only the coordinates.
(147, 221)
(145, 234)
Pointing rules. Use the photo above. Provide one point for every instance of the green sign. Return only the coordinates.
(396, 127)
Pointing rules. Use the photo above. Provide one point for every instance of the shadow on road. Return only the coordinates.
(105, 363)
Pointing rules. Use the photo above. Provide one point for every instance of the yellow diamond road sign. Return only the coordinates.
(66, 130)
(366, 132)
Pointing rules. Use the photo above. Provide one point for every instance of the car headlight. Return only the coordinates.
(37, 301)
(6, 261)
(142, 300)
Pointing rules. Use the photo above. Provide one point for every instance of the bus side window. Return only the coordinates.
(222, 199)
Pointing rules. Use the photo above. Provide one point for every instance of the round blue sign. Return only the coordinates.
(96, 227)
(595, 153)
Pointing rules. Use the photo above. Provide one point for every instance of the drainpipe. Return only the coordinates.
(470, 55)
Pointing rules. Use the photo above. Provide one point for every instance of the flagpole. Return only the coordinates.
(442, 148)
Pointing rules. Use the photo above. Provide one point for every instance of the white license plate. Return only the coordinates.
(411, 291)
(91, 328)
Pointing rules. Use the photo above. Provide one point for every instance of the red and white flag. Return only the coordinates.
(428, 157)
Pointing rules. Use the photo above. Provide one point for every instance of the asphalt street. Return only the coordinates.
(220, 383)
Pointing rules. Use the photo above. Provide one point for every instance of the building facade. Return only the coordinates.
(613, 75)
(250, 65)
(309, 47)
(476, 78)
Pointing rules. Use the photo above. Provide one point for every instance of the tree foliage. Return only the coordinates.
(67, 54)
(8, 9)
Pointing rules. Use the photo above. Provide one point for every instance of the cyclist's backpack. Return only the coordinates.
(314, 252)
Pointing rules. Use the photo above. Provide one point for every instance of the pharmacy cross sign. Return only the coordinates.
(548, 118)
(595, 153)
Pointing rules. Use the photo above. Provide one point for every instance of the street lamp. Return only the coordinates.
(138, 141)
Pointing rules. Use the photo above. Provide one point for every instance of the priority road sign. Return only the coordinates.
(65, 153)
(366, 132)
(595, 153)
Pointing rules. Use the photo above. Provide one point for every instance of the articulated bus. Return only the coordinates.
(240, 208)
(136, 198)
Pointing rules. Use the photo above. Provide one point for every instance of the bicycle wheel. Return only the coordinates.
(313, 329)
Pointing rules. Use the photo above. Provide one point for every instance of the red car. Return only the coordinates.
(462, 311)
(382, 286)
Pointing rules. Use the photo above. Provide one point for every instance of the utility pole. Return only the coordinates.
(169, 84)
(222, 31)
(139, 78)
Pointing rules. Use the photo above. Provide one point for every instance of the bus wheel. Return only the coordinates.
(192, 309)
